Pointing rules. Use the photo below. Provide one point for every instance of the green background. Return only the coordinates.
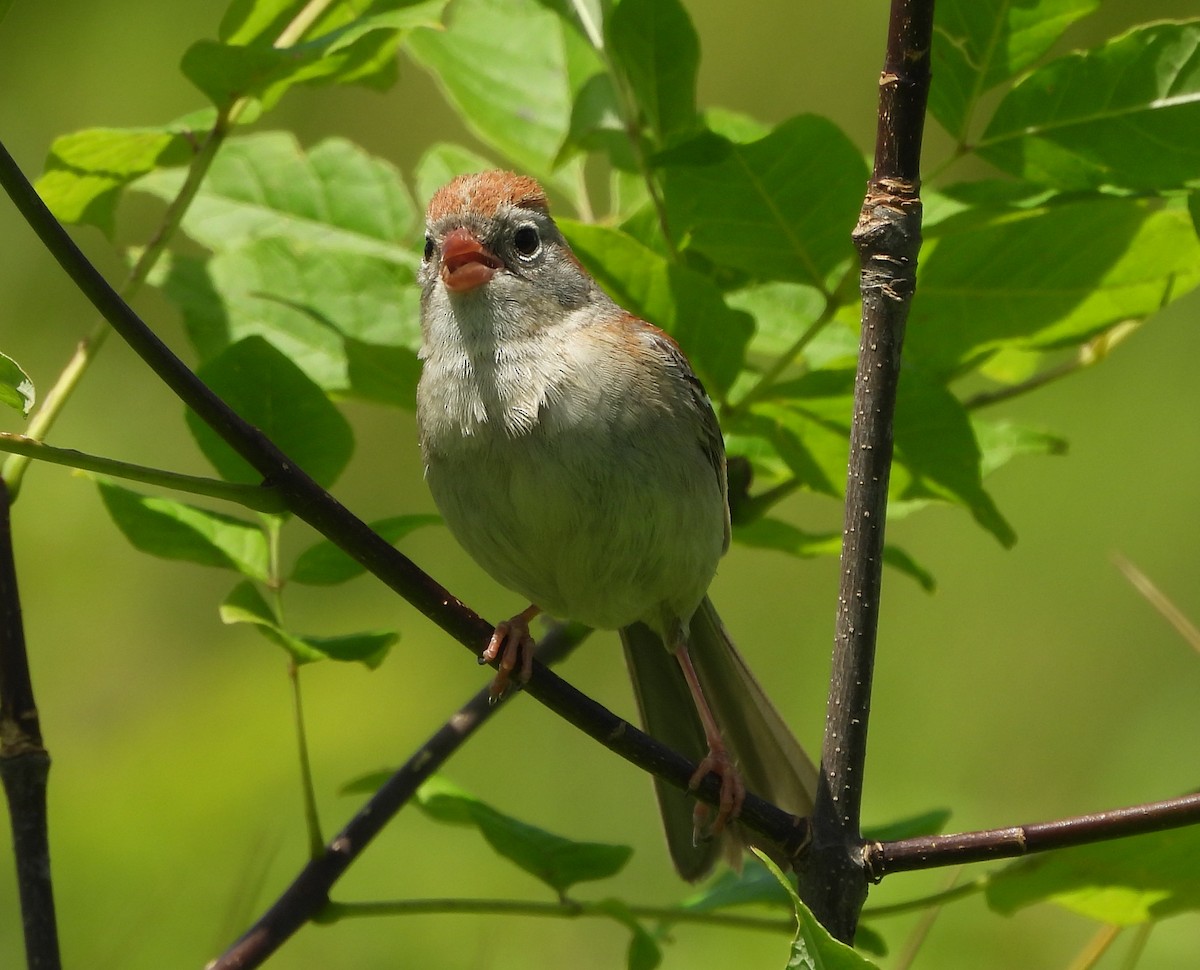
(1034, 683)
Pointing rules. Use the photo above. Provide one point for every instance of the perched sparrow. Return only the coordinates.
(576, 457)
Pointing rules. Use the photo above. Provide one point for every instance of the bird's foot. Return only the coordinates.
(511, 648)
(733, 792)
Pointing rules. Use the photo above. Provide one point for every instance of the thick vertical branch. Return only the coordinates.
(888, 237)
(24, 766)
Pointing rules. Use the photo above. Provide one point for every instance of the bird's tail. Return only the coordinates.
(770, 759)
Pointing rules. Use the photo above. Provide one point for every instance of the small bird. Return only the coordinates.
(576, 457)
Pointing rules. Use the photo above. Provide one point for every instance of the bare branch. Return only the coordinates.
(888, 237)
(928, 852)
(24, 765)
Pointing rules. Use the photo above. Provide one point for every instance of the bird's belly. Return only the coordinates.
(600, 541)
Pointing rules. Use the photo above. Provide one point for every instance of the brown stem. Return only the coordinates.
(888, 237)
(24, 765)
(928, 852)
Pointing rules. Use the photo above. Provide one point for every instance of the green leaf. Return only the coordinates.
(782, 314)
(342, 48)
(272, 393)
(1050, 276)
(326, 310)
(173, 530)
(16, 389)
(813, 948)
(771, 533)
(335, 196)
(87, 170)
(558, 862)
(937, 455)
(755, 885)
(679, 300)
(1122, 882)
(597, 125)
(978, 44)
(443, 162)
(644, 952)
(1003, 440)
(927, 823)
(780, 208)
(324, 564)
(1126, 114)
(511, 70)
(655, 47)
(245, 604)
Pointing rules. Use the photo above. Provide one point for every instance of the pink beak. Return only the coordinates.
(466, 262)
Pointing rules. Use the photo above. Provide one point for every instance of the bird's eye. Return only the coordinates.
(527, 240)
(428, 248)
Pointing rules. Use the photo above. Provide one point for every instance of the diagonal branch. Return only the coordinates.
(888, 237)
(308, 501)
(928, 852)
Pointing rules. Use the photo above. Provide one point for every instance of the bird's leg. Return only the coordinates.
(733, 789)
(511, 645)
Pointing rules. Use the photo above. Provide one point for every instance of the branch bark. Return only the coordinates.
(24, 766)
(928, 852)
(888, 237)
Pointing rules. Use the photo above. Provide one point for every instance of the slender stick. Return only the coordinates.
(928, 852)
(888, 237)
(24, 766)
(308, 894)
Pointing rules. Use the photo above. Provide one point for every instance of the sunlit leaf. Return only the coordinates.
(340, 47)
(173, 530)
(319, 307)
(441, 163)
(558, 862)
(771, 533)
(1126, 114)
(86, 170)
(511, 69)
(980, 43)
(273, 394)
(681, 301)
(334, 196)
(324, 564)
(1122, 882)
(16, 389)
(780, 208)
(1045, 277)
(657, 51)
(245, 604)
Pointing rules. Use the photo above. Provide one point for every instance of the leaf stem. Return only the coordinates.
(260, 498)
(566, 909)
(785, 360)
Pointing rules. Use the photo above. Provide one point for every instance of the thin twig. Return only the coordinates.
(888, 238)
(929, 852)
(308, 894)
(260, 498)
(567, 909)
(1159, 600)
